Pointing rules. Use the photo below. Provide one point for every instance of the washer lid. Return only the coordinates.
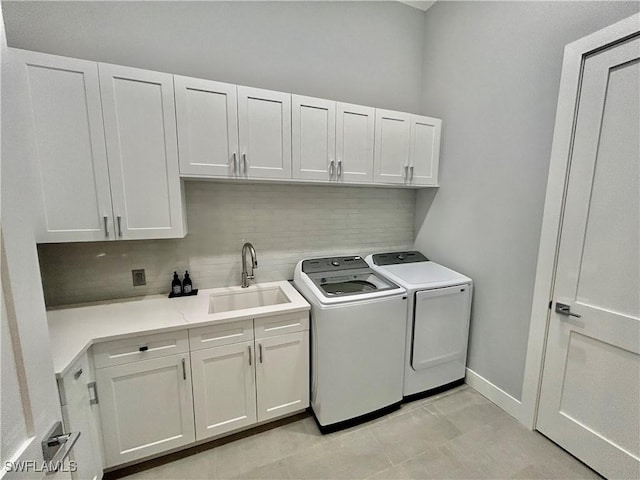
(350, 282)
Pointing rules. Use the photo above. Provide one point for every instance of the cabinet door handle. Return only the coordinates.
(331, 169)
(119, 226)
(406, 171)
(411, 170)
(93, 393)
(250, 355)
(339, 168)
(244, 162)
(260, 351)
(77, 375)
(184, 369)
(235, 163)
(106, 229)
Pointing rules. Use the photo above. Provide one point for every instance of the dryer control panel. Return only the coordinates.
(395, 258)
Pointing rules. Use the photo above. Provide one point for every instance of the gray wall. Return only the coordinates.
(361, 52)
(492, 72)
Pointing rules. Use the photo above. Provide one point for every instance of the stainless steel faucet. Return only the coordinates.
(254, 264)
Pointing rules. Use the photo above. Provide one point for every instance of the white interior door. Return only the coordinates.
(140, 131)
(590, 397)
(28, 395)
(313, 137)
(264, 128)
(354, 143)
(207, 120)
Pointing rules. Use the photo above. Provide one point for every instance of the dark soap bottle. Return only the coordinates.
(176, 285)
(187, 286)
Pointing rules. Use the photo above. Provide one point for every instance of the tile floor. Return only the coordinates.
(457, 434)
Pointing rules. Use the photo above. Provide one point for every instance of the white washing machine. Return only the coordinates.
(358, 332)
(437, 319)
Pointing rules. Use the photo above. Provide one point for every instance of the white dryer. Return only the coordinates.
(358, 332)
(437, 319)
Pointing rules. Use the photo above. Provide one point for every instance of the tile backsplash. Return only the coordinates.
(285, 223)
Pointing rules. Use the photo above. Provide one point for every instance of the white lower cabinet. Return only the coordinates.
(282, 374)
(163, 391)
(224, 389)
(79, 414)
(146, 407)
(237, 385)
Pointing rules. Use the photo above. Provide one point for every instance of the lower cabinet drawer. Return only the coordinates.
(281, 324)
(146, 408)
(143, 347)
(219, 335)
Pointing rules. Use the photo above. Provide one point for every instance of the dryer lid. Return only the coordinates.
(423, 275)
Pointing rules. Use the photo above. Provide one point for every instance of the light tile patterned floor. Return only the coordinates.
(457, 434)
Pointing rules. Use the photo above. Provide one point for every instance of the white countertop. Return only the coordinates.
(73, 330)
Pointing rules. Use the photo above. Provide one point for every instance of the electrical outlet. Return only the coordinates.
(138, 277)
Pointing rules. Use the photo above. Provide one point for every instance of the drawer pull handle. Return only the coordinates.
(184, 369)
(144, 348)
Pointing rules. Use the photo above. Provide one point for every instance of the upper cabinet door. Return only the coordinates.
(140, 129)
(264, 121)
(354, 143)
(393, 132)
(66, 133)
(425, 150)
(313, 138)
(207, 118)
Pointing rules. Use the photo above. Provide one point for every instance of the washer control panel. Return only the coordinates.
(395, 258)
(331, 264)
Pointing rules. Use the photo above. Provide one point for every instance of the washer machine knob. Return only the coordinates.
(335, 263)
(400, 257)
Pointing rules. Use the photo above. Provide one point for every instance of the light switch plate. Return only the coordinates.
(139, 278)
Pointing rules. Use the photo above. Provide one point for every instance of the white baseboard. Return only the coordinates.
(495, 394)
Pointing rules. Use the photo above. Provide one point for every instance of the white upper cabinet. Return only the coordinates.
(207, 119)
(424, 152)
(140, 130)
(313, 138)
(407, 148)
(392, 140)
(67, 136)
(354, 143)
(264, 124)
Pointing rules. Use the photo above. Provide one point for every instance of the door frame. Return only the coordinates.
(559, 167)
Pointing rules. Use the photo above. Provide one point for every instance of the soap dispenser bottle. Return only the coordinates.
(176, 285)
(187, 286)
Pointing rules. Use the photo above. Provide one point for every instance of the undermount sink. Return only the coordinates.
(244, 299)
